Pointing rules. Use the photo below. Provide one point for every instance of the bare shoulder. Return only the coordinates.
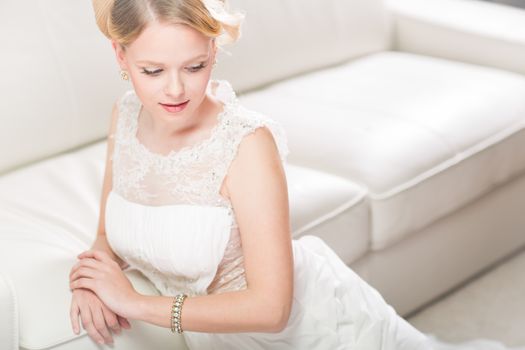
(256, 154)
(258, 142)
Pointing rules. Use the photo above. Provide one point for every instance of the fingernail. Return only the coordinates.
(101, 342)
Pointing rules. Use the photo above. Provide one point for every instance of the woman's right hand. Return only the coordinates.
(96, 317)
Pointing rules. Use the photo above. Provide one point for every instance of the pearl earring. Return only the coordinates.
(124, 75)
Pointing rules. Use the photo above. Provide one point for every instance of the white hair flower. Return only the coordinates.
(217, 10)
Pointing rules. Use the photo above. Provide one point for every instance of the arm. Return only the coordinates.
(101, 242)
(256, 185)
(464, 30)
(96, 317)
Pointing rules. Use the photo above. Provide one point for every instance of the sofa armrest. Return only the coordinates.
(470, 31)
(8, 314)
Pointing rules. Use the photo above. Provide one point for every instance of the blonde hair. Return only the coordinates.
(124, 20)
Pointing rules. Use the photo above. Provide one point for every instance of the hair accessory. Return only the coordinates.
(217, 10)
(124, 75)
(176, 309)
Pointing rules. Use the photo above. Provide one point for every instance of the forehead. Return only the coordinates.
(169, 43)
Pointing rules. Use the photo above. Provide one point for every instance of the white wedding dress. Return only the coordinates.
(166, 218)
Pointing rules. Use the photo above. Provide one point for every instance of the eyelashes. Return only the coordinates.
(147, 72)
(193, 69)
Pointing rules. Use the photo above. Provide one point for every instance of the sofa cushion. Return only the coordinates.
(330, 207)
(424, 135)
(49, 214)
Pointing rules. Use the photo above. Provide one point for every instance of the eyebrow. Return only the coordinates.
(160, 64)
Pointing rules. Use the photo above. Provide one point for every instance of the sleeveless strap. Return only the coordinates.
(243, 123)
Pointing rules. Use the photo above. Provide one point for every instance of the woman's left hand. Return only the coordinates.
(99, 273)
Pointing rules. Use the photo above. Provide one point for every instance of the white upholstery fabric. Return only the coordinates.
(281, 39)
(448, 253)
(419, 132)
(470, 31)
(330, 207)
(54, 59)
(8, 313)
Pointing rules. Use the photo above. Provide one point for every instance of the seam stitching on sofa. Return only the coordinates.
(457, 158)
(331, 214)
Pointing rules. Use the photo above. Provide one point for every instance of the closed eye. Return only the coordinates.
(147, 72)
(192, 69)
(197, 68)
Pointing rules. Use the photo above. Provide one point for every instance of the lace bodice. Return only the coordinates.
(192, 175)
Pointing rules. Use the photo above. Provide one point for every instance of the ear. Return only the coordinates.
(120, 54)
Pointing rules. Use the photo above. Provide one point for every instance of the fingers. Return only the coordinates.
(87, 323)
(84, 272)
(111, 320)
(100, 325)
(78, 265)
(87, 262)
(97, 318)
(98, 255)
(82, 283)
(123, 322)
(73, 315)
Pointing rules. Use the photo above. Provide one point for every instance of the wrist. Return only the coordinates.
(154, 309)
(136, 306)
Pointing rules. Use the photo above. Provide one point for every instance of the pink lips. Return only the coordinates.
(174, 108)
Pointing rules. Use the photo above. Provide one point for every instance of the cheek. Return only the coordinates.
(149, 97)
(196, 86)
(150, 85)
(149, 89)
(205, 80)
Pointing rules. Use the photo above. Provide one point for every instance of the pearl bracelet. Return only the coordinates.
(176, 312)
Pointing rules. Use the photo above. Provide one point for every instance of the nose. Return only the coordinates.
(174, 88)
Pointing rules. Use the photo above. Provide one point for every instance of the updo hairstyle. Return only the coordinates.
(124, 20)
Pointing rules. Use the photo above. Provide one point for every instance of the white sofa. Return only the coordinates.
(405, 123)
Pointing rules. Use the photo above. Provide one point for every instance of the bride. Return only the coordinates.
(195, 198)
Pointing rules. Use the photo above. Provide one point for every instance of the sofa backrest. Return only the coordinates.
(285, 38)
(60, 76)
(59, 79)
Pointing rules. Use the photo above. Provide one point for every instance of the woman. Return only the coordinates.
(190, 175)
